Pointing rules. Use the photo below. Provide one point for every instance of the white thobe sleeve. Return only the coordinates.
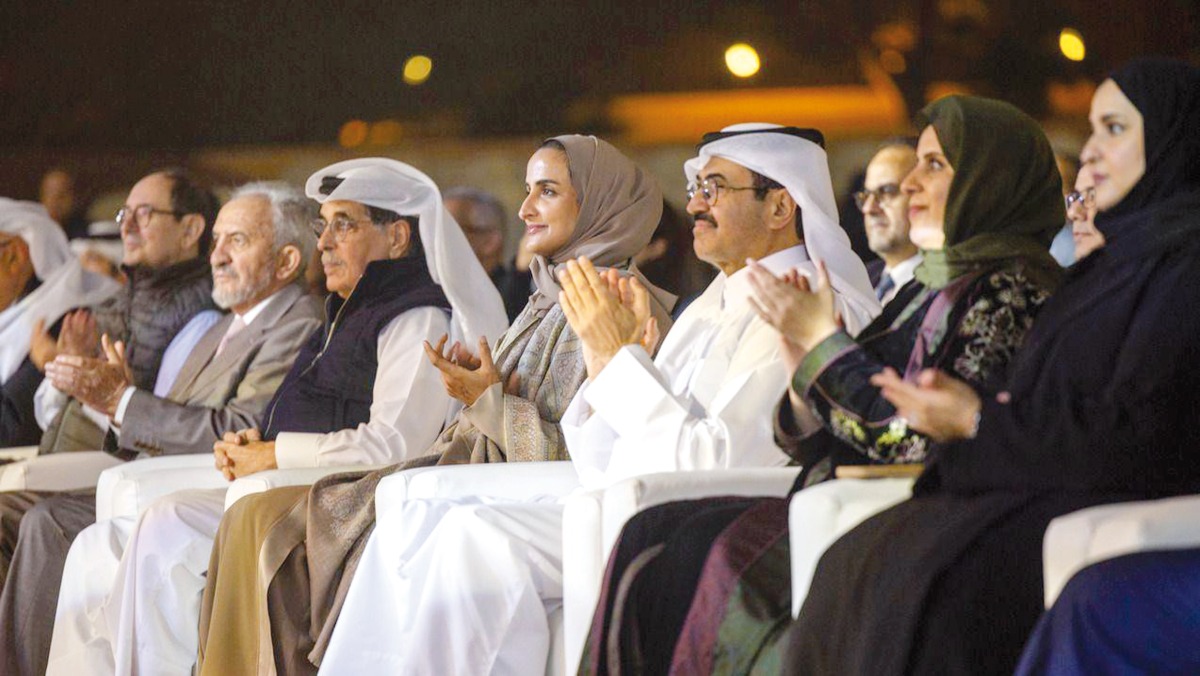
(651, 429)
(408, 405)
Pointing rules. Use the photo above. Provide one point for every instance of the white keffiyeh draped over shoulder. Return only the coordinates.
(802, 167)
(64, 283)
(389, 184)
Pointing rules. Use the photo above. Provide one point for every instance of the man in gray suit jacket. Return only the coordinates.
(262, 240)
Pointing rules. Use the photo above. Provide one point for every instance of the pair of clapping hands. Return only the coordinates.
(97, 378)
(937, 405)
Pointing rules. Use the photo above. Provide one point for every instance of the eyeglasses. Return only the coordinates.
(342, 227)
(142, 214)
(883, 194)
(1086, 197)
(711, 190)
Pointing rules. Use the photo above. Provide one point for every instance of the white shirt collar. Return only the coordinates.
(903, 272)
(737, 286)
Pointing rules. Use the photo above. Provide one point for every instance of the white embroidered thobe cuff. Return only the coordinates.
(296, 449)
(487, 414)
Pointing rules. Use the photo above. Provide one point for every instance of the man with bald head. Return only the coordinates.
(885, 217)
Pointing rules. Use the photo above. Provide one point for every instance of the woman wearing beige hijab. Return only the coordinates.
(282, 551)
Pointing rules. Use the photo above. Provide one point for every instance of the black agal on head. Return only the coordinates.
(810, 135)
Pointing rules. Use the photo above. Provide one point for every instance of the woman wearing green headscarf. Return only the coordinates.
(702, 586)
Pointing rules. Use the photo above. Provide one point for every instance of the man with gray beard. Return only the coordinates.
(262, 240)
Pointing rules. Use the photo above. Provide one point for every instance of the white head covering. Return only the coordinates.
(48, 247)
(801, 167)
(388, 184)
(65, 284)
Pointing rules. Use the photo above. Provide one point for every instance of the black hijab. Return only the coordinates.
(1167, 94)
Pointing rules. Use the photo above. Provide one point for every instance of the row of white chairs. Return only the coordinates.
(593, 519)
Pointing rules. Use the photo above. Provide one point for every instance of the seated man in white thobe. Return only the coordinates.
(360, 392)
(466, 586)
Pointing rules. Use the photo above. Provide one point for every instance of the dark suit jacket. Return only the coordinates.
(227, 392)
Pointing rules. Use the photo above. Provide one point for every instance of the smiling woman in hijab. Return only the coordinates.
(585, 198)
(1095, 411)
(714, 595)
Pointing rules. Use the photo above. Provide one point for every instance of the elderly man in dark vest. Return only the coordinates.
(262, 241)
(166, 229)
(361, 392)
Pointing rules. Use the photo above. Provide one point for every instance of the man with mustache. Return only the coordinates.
(262, 239)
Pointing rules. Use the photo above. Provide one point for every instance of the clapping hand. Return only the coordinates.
(99, 383)
(606, 311)
(78, 335)
(801, 312)
(936, 405)
(43, 347)
(465, 376)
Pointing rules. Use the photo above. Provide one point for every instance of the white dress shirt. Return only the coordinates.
(901, 274)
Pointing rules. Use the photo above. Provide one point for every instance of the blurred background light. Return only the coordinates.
(417, 69)
(893, 61)
(385, 133)
(1070, 42)
(742, 60)
(352, 134)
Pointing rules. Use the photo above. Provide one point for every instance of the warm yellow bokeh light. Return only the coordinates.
(1071, 44)
(742, 60)
(417, 69)
(353, 134)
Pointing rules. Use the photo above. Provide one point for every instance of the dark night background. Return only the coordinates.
(118, 82)
(137, 74)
